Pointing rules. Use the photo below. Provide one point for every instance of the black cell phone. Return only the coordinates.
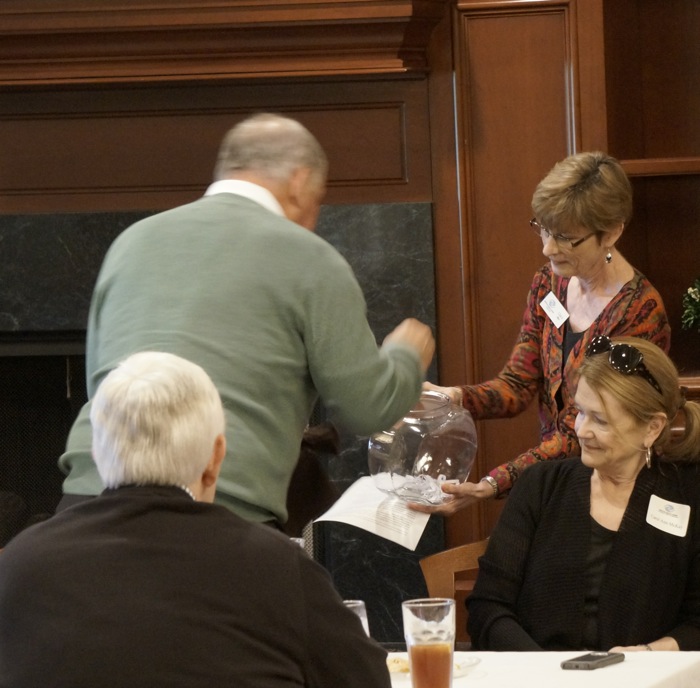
(593, 660)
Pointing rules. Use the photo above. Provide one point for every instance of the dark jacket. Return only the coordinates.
(144, 587)
(530, 591)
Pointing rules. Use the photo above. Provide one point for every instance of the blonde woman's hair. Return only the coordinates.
(643, 401)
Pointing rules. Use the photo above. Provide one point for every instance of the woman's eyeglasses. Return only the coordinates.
(624, 358)
(561, 240)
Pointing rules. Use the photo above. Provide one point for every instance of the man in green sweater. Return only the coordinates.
(237, 283)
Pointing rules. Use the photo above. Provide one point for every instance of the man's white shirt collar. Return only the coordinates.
(249, 190)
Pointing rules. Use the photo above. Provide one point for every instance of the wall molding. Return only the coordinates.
(83, 42)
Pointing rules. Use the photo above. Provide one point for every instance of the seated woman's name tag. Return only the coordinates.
(668, 516)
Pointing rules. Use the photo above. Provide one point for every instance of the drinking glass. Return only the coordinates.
(429, 630)
(358, 606)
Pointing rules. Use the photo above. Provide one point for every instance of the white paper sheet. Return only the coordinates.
(364, 506)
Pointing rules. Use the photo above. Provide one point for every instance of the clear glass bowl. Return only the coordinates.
(435, 442)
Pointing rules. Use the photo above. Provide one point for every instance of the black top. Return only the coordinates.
(570, 339)
(601, 544)
(568, 343)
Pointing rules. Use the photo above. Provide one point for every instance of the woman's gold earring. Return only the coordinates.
(648, 458)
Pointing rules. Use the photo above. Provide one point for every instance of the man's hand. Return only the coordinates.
(463, 495)
(417, 335)
(454, 393)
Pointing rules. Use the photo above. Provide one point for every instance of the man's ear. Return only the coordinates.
(290, 193)
(298, 184)
(211, 472)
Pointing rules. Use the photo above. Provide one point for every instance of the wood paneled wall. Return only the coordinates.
(120, 148)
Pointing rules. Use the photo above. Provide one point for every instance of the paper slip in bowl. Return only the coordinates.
(400, 674)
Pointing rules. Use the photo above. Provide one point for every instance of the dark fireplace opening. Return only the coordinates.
(40, 397)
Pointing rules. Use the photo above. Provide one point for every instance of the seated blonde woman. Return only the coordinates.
(602, 552)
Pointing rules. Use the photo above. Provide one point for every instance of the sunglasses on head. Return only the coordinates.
(624, 358)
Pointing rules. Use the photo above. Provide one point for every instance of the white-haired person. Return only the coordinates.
(151, 584)
(602, 552)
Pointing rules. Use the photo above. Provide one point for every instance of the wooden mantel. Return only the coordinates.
(50, 42)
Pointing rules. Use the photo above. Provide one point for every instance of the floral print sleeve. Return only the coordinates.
(535, 366)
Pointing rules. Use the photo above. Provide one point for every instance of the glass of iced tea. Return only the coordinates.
(429, 629)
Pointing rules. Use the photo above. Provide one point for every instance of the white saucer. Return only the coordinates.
(464, 662)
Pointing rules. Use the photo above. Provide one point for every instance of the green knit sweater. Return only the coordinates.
(275, 316)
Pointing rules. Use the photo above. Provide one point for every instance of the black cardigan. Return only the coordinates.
(530, 591)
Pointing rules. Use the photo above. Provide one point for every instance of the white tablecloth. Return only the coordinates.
(542, 670)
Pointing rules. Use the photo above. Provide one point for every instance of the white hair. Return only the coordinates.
(155, 418)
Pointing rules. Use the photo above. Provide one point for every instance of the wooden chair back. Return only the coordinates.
(452, 573)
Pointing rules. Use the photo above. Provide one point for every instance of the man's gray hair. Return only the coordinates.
(155, 418)
(270, 145)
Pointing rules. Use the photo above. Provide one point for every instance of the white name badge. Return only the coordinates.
(668, 516)
(553, 308)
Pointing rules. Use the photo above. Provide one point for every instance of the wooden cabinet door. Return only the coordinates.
(517, 97)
